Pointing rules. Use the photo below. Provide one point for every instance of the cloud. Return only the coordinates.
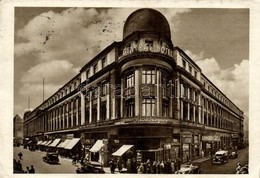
(233, 81)
(55, 75)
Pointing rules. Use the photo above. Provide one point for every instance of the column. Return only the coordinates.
(82, 96)
(122, 113)
(188, 104)
(98, 105)
(108, 102)
(181, 108)
(137, 90)
(90, 106)
(200, 107)
(77, 110)
(71, 112)
(158, 93)
(67, 109)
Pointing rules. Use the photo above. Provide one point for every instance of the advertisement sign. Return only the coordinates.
(210, 138)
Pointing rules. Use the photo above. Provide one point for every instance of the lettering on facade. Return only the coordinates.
(152, 120)
(211, 138)
(143, 48)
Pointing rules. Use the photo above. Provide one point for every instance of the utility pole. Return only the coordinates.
(43, 88)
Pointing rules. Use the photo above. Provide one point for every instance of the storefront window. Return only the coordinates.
(148, 76)
(148, 107)
(103, 112)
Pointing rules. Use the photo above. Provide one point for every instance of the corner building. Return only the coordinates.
(142, 97)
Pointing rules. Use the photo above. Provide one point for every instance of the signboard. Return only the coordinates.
(143, 48)
(210, 138)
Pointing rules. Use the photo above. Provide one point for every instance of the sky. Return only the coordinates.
(54, 43)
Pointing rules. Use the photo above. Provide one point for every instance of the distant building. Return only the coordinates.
(142, 97)
(18, 130)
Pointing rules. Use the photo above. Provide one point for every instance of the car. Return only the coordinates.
(52, 158)
(220, 157)
(233, 154)
(90, 167)
(189, 168)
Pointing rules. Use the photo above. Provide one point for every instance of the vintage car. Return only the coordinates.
(51, 158)
(220, 157)
(189, 168)
(90, 167)
(233, 154)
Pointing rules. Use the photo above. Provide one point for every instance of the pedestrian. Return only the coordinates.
(119, 164)
(162, 167)
(173, 167)
(32, 170)
(19, 166)
(202, 153)
(112, 166)
(20, 155)
(28, 170)
(154, 167)
(141, 169)
(128, 166)
(133, 166)
(178, 164)
(158, 167)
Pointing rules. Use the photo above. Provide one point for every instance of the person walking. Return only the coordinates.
(141, 169)
(154, 167)
(20, 155)
(128, 166)
(112, 166)
(32, 170)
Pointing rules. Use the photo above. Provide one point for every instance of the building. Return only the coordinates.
(142, 97)
(17, 130)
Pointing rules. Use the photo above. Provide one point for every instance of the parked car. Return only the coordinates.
(189, 168)
(90, 167)
(51, 158)
(233, 154)
(220, 157)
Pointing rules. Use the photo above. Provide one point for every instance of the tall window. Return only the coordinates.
(104, 62)
(164, 85)
(130, 80)
(184, 64)
(148, 76)
(148, 107)
(95, 68)
(165, 108)
(104, 88)
(87, 116)
(190, 69)
(87, 74)
(130, 108)
(103, 112)
(94, 115)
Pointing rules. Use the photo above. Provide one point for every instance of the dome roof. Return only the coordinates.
(149, 20)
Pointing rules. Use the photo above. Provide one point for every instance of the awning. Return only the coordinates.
(97, 146)
(43, 143)
(55, 142)
(47, 143)
(39, 142)
(122, 150)
(63, 144)
(72, 143)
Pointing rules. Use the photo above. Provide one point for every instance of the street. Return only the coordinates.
(227, 168)
(35, 158)
(65, 166)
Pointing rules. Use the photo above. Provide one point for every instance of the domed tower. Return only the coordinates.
(147, 21)
(146, 62)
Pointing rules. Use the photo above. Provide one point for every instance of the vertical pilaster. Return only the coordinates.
(90, 106)
(98, 105)
(82, 119)
(137, 90)
(158, 93)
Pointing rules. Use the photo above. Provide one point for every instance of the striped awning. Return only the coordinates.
(55, 142)
(63, 144)
(72, 143)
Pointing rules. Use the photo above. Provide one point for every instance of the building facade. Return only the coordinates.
(144, 92)
(17, 130)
